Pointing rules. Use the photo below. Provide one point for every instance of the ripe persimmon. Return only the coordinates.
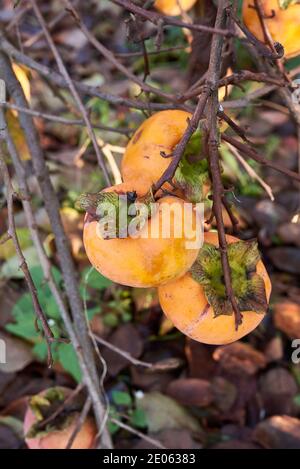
(57, 432)
(173, 7)
(281, 17)
(196, 303)
(147, 257)
(143, 163)
(159, 133)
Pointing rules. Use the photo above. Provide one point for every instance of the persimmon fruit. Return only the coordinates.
(143, 163)
(173, 7)
(211, 321)
(57, 432)
(142, 160)
(148, 258)
(282, 20)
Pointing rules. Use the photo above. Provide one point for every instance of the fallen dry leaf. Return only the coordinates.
(18, 354)
(127, 338)
(287, 318)
(191, 391)
(239, 358)
(278, 432)
(224, 393)
(162, 413)
(277, 389)
(200, 360)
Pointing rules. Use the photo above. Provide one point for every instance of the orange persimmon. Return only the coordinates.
(173, 7)
(57, 433)
(149, 257)
(143, 163)
(281, 19)
(185, 300)
(142, 160)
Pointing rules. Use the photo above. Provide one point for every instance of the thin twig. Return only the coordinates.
(130, 429)
(80, 338)
(93, 91)
(49, 337)
(253, 174)
(64, 120)
(251, 153)
(72, 88)
(111, 58)
(122, 353)
(79, 422)
(167, 50)
(157, 18)
(179, 150)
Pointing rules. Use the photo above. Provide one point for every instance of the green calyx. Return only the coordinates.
(284, 4)
(117, 212)
(44, 406)
(248, 286)
(192, 171)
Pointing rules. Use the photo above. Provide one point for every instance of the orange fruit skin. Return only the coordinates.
(284, 27)
(183, 301)
(142, 161)
(141, 262)
(173, 7)
(60, 438)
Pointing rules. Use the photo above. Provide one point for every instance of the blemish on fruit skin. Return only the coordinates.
(137, 137)
(191, 327)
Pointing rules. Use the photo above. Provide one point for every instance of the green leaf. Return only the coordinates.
(50, 307)
(95, 280)
(68, 359)
(24, 325)
(122, 398)
(138, 418)
(91, 312)
(111, 320)
(40, 351)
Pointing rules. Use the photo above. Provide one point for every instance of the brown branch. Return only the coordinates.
(218, 193)
(237, 129)
(236, 79)
(277, 50)
(58, 80)
(179, 150)
(251, 153)
(234, 220)
(158, 19)
(111, 58)
(81, 339)
(167, 50)
(51, 25)
(49, 337)
(163, 365)
(72, 89)
(80, 422)
(63, 120)
(251, 171)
